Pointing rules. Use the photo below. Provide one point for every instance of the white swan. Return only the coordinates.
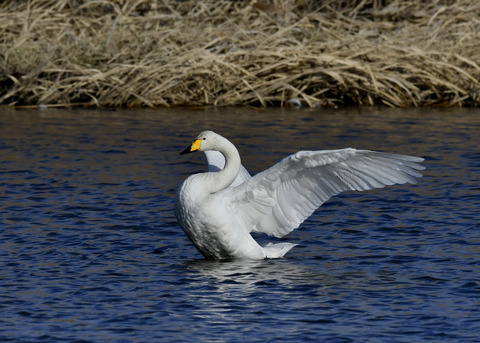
(218, 209)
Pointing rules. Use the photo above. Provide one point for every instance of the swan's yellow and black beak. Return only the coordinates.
(195, 146)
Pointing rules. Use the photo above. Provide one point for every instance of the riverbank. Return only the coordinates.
(224, 53)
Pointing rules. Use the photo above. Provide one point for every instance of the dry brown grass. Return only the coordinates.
(219, 53)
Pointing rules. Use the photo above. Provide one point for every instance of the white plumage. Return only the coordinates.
(218, 209)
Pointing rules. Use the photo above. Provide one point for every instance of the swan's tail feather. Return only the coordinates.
(277, 250)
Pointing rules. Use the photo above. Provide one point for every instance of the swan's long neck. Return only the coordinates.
(217, 181)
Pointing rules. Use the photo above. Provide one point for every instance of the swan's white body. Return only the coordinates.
(218, 209)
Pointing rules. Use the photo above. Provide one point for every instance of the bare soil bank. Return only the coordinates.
(219, 53)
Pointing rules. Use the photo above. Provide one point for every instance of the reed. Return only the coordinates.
(141, 53)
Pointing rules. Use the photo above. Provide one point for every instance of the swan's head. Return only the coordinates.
(206, 140)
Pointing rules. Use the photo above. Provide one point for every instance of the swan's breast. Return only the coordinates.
(210, 224)
(203, 220)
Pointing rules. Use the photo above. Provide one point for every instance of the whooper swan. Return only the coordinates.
(218, 209)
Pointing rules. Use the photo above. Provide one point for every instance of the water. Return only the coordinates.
(91, 252)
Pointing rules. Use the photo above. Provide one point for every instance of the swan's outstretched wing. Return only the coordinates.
(279, 199)
(216, 162)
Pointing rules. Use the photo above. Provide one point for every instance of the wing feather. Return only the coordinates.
(279, 199)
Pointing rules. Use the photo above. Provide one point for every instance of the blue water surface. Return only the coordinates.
(90, 250)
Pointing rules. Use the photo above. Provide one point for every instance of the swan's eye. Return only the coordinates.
(204, 138)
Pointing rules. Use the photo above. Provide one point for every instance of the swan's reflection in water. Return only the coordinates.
(249, 274)
(224, 290)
